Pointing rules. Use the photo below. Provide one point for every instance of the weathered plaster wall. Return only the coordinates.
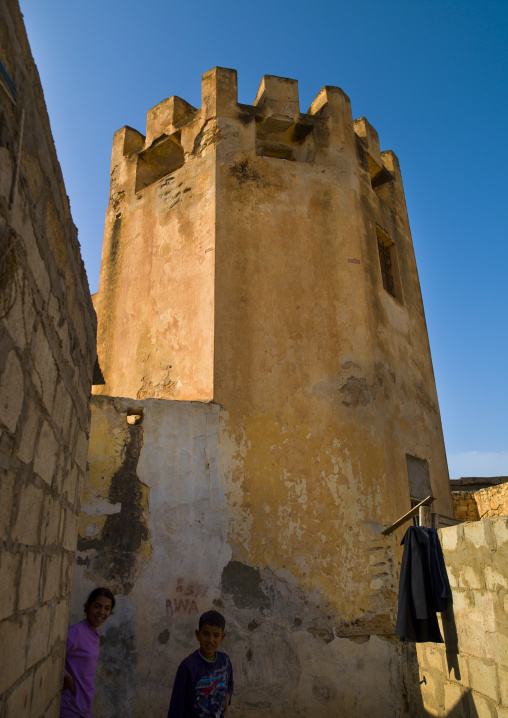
(241, 266)
(47, 335)
(468, 676)
(322, 373)
(265, 279)
(164, 548)
(158, 261)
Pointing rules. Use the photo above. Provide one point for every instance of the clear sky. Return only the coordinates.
(431, 77)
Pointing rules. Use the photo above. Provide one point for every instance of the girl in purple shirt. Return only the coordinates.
(82, 654)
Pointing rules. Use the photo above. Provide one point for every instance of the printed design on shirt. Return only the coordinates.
(210, 693)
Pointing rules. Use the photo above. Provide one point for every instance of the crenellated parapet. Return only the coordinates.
(272, 127)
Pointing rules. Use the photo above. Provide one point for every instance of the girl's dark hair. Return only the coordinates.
(99, 592)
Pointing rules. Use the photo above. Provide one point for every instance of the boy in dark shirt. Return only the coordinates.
(204, 680)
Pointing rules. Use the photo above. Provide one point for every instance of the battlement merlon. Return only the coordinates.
(370, 139)
(278, 96)
(125, 141)
(219, 92)
(164, 117)
(334, 106)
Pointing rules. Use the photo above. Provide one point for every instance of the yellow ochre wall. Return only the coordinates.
(246, 275)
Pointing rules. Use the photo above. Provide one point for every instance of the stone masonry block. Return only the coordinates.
(51, 572)
(45, 368)
(26, 526)
(462, 602)
(494, 580)
(9, 565)
(503, 684)
(50, 521)
(452, 579)
(69, 483)
(38, 635)
(421, 655)
(476, 634)
(37, 266)
(63, 333)
(53, 309)
(60, 623)
(470, 578)
(502, 646)
(474, 533)
(458, 668)
(432, 689)
(54, 709)
(484, 607)
(62, 469)
(75, 311)
(499, 528)
(29, 580)
(19, 321)
(46, 454)
(6, 444)
(46, 686)
(68, 560)
(70, 536)
(81, 454)
(436, 658)
(6, 502)
(13, 636)
(484, 679)
(11, 392)
(455, 700)
(482, 707)
(29, 433)
(62, 409)
(19, 702)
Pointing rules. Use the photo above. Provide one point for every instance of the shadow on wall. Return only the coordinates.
(464, 706)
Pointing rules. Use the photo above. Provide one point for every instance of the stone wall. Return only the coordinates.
(154, 527)
(465, 506)
(468, 675)
(478, 498)
(47, 334)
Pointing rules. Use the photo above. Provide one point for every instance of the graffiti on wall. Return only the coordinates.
(186, 598)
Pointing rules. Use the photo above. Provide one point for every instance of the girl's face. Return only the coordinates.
(98, 611)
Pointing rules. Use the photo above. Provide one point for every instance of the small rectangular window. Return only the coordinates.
(389, 264)
(418, 478)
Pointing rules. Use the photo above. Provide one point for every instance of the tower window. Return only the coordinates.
(389, 264)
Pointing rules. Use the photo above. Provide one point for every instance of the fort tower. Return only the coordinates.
(259, 260)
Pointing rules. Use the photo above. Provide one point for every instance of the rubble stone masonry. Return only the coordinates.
(47, 339)
(479, 498)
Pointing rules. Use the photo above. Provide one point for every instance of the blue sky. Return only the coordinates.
(431, 77)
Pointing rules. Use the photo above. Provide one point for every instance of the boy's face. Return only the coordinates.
(210, 638)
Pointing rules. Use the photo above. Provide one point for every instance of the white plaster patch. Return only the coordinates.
(101, 508)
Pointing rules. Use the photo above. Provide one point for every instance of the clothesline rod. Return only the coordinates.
(408, 516)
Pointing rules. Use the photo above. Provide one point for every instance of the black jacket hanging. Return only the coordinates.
(423, 586)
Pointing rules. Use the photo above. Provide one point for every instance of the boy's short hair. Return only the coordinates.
(212, 618)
